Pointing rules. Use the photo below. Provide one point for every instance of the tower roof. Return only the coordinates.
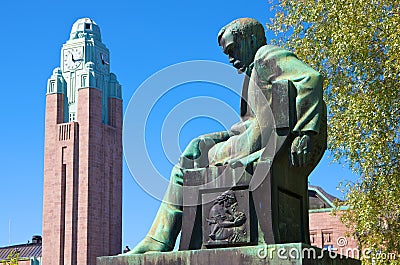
(85, 28)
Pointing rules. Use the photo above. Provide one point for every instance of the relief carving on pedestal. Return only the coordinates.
(226, 222)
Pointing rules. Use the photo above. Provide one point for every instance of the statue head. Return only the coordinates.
(227, 198)
(240, 40)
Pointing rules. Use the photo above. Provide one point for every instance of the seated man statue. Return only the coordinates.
(244, 42)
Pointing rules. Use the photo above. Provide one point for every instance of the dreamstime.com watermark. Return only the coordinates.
(341, 252)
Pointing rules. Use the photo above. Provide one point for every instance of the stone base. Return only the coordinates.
(282, 254)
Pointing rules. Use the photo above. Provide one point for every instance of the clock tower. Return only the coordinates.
(82, 204)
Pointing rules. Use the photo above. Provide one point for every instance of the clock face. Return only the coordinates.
(73, 58)
(103, 61)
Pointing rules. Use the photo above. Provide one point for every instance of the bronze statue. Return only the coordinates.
(244, 42)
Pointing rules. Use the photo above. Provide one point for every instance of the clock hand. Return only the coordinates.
(102, 59)
(75, 60)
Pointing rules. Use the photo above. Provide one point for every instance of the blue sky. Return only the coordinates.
(143, 37)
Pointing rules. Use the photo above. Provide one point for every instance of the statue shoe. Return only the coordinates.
(148, 244)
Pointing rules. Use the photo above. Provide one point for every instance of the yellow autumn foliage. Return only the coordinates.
(355, 44)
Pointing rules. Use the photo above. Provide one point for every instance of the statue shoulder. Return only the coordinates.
(268, 52)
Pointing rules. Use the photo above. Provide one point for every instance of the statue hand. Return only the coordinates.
(301, 150)
(196, 153)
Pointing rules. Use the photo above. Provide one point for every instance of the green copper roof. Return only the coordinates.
(85, 28)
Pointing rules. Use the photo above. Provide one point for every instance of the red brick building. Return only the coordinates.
(82, 204)
(327, 231)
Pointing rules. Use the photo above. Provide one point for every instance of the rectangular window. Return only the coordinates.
(52, 86)
(313, 237)
(327, 237)
(87, 26)
(83, 83)
(329, 247)
(72, 116)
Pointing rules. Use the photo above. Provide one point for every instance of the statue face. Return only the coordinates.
(240, 51)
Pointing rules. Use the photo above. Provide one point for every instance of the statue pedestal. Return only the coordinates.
(282, 254)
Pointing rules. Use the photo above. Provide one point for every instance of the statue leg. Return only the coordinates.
(168, 221)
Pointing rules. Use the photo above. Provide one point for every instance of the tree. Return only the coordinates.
(12, 258)
(355, 44)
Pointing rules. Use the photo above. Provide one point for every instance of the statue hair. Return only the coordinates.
(245, 27)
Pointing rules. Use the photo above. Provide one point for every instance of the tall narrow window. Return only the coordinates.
(63, 191)
(51, 87)
(84, 80)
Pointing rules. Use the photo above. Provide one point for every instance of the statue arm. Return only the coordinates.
(245, 141)
(217, 137)
(309, 110)
(276, 64)
(238, 220)
(196, 153)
